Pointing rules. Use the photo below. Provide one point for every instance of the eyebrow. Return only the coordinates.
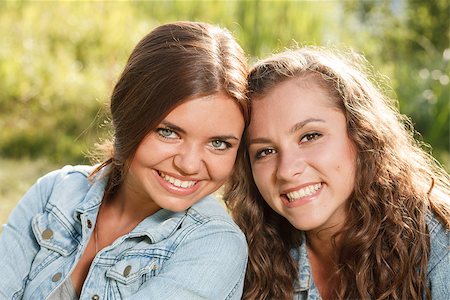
(218, 137)
(173, 126)
(302, 124)
(225, 137)
(295, 128)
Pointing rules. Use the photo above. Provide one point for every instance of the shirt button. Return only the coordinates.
(56, 277)
(95, 297)
(127, 271)
(47, 234)
(89, 223)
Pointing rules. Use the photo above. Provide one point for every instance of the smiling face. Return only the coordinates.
(302, 159)
(189, 155)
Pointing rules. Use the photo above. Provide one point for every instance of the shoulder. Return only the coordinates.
(439, 260)
(210, 209)
(64, 176)
(68, 185)
(66, 173)
(439, 241)
(211, 219)
(437, 230)
(46, 185)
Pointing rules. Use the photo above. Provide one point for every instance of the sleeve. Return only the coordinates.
(209, 264)
(439, 263)
(439, 279)
(18, 245)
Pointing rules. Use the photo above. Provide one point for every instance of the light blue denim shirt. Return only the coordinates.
(195, 254)
(438, 266)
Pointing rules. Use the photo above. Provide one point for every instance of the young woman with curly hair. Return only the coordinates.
(336, 197)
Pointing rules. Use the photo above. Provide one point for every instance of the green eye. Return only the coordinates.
(167, 133)
(220, 145)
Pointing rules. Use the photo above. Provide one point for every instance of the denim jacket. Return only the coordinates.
(438, 266)
(195, 254)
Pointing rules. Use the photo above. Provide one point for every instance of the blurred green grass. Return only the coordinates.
(16, 177)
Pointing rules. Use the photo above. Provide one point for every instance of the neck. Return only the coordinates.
(323, 260)
(321, 247)
(320, 240)
(129, 204)
(115, 218)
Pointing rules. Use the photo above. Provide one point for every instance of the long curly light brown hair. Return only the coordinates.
(384, 246)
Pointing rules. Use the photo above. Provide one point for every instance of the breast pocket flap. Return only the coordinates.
(130, 269)
(50, 233)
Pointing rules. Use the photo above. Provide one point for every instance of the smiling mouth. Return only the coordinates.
(177, 182)
(304, 192)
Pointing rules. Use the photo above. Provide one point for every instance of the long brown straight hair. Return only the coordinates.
(173, 63)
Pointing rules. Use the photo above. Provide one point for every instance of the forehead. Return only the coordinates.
(207, 112)
(289, 102)
(300, 93)
(211, 103)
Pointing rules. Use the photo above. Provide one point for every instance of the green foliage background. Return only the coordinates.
(59, 61)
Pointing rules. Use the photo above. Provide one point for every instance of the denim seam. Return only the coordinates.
(235, 286)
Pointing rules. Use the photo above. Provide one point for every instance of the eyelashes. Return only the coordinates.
(167, 133)
(264, 152)
(171, 134)
(309, 137)
(304, 139)
(220, 145)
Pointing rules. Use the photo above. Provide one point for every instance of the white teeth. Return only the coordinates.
(306, 191)
(176, 182)
(185, 184)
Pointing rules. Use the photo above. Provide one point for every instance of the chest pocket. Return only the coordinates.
(131, 272)
(54, 239)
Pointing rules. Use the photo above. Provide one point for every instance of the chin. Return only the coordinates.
(304, 226)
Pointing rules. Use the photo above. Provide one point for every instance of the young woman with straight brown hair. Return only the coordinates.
(142, 225)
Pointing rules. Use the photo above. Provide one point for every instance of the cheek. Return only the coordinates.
(221, 167)
(152, 150)
(345, 168)
(261, 176)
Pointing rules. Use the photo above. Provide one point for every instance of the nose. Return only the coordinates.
(290, 164)
(188, 160)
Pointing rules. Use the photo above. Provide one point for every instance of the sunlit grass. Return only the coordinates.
(16, 177)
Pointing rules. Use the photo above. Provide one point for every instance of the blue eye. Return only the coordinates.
(167, 133)
(265, 152)
(220, 145)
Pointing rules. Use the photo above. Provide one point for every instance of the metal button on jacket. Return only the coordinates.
(127, 271)
(47, 234)
(95, 297)
(57, 277)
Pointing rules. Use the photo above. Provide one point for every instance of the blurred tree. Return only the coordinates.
(409, 41)
(60, 60)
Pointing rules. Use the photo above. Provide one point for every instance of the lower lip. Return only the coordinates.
(301, 201)
(175, 189)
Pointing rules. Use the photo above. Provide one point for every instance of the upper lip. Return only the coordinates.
(179, 177)
(298, 187)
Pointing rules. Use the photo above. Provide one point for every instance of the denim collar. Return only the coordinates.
(304, 280)
(157, 227)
